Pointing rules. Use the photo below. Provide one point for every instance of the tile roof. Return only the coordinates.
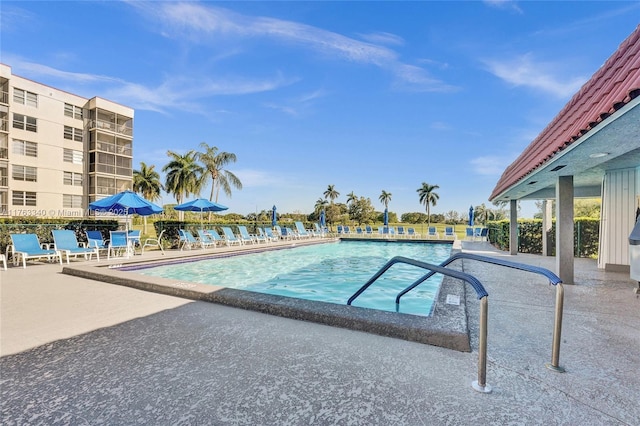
(609, 89)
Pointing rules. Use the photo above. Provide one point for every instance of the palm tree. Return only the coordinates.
(331, 193)
(146, 181)
(320, 204)
(384, 198)
(428, 197)
(184, 176)
(351, 197)
(214, 163)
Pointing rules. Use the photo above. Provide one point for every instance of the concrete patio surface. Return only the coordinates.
(76, 351)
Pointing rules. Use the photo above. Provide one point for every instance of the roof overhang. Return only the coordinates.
(613, 144)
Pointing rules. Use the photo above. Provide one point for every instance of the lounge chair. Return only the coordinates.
(94, 239)
(450, 233)
(339, 229)
(288, 234)
(302, 233)
(118, 244)
(134, 240)
(346, 230)
(368, 230)
(411, 232)
(401, 232)
(205, 239)
(66, 241)
(27, 246)
(229, 236)
(483, 235)
(215, 236)
(270, 235)
(318, 231)
(245, 237)
(469, 233)
(261, 237)
(154, 242)
(359, 231)
(432, 232)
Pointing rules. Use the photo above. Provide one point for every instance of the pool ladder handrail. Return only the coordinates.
(479, 385)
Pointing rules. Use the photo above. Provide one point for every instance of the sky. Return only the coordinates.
(365, 96)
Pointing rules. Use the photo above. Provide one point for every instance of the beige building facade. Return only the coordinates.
(59, 151)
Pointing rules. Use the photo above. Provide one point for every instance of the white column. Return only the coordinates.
(546, 226)
(513, 227)
(564, 229)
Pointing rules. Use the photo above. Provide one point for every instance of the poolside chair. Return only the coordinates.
(205, 239)
(3, 258)
(318, 231)
(119, 244)
(368, 230)
(411, 233)
(432, 232)
(261, 237)
(27, 246)
(134, 240)
(187, 240)
(154, 242)
(302, 233)
(287, 233)
(229, 236)
(94, 239)
(215, 236)
(469, 233)
(245, 237)
(270, 235)
(346, 230)
(401, 232)
(483, 235)
(450, 233)
(66, 242)
(339, 229)
(359, 231)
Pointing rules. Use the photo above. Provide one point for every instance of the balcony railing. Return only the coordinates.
(112, 127)
(4, 97)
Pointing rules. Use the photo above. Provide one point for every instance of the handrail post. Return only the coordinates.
(557, 331)
(481, 385)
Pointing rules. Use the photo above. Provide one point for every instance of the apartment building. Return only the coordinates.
(59, 151)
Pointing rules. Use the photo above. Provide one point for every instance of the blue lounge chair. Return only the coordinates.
(450, 233)
(411, 232)
(260, 236)
(205, 239)
(154, 242)
(245, 237)
(215, 236)
(27, 246)
(432, 232)
(401, 232)
(368, 230)
(187, 240)
(118, 244)
(288, 234)
(318, 231)
(339, 229)
(482, 235)
(359, 231)
(134, 240)
(229, 236)
(302, 233)
(346, 230)
(469, 233)
(270, 235)
(66, 241)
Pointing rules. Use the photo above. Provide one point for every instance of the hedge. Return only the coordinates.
(586, 235)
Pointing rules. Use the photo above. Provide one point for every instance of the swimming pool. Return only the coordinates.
(329, 272)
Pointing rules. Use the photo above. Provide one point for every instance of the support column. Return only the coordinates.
(564, 229)
(513, 227)
(546, 226)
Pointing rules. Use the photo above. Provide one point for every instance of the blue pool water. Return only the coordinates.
(329, 272)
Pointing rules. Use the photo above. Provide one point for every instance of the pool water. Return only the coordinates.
(329, 272)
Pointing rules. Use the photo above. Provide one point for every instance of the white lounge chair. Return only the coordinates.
(65, 240)
(27, 246)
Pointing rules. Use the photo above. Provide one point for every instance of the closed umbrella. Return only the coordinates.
(471, 216)
(274, 218)
(386, 219)
(323, 219)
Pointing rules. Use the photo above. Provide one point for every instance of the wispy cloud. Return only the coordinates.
(383, 38)
(510, 5)
(524, 71)
(208, 24)
(491, 165)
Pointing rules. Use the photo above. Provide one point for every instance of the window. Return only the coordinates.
(23, 198)
(72, 178)
(4, 146)
(25, 122)
(25, 98)
(71, 201)
(72, 156)
(26, 148)
(25, 173)
(73, 111)
(73, 133)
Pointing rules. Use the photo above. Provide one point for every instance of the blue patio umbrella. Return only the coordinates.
(323, 218)
(274, 217)
(200, 205)
(471, 216)
(125, 203)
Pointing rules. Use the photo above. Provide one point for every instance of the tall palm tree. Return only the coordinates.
(351, 197)
(428, 197)
(215, 163)
(320, 204)
(384, 198)
(184, 176)
(331, 193)
(146, 181)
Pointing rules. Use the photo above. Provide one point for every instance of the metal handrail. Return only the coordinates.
(553, 279)
(481, 384)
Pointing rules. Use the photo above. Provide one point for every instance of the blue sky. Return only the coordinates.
(366, 96)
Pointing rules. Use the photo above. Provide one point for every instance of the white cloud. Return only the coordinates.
(383, 38)
(524, 71)
(490, 165)
(511, 5)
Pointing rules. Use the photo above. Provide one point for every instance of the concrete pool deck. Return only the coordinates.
(77, 351)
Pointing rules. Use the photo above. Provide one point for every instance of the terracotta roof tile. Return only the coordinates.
(610, 88)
